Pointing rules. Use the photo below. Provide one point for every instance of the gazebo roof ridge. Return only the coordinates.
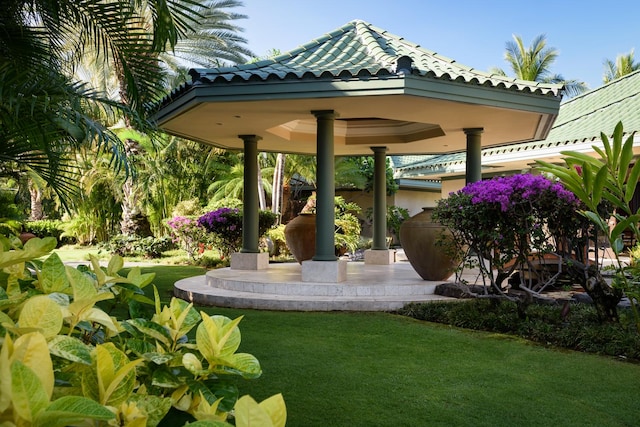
(358, 46)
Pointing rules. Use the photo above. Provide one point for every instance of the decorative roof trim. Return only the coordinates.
(375, 53)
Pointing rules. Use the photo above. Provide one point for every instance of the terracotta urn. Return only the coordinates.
(419, 236)
(300, 235)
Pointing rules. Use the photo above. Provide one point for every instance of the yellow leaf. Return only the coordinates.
(5, 373)
(116, 263)
(95, 264)
(276, 409)
(181, 399)
(192, 363)
(217, 336)
(206, 412)
(42, 313)
(84, 288)
(248, 413)
(32, 350)
(116, 376)
(96, 315)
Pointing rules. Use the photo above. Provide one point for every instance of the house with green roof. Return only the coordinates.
(577, 128)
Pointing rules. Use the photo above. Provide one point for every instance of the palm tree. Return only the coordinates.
(230, 185)
(533, 63)
(46, 113)
(207, 41)
(624, 64)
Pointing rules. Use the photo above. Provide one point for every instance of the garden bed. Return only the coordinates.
(559, 322)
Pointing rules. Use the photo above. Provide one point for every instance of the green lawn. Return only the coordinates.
(379, 369)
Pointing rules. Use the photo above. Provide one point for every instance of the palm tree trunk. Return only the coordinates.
(37, 210)
(261, 197)
(278, 185)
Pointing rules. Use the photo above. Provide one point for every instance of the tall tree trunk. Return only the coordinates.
(261, 197)
(37, 210)
(278, 185)
(133, 221)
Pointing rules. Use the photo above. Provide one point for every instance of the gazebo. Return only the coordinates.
(357, 90)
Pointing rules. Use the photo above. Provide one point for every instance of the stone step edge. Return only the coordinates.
(320, 289)
(193, 290)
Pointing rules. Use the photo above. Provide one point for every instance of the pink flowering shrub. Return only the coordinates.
(512, 217)
(190, 235)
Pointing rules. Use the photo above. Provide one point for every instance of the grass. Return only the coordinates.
(81, 253)
(379, 369)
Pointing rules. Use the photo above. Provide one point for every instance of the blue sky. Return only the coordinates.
(472, 32)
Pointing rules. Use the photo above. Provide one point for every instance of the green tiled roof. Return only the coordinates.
(580, 119)
(398, 162)
(583, 118)
(361, 50)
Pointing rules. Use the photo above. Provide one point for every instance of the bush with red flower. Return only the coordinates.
(504, 220)
(191, 236)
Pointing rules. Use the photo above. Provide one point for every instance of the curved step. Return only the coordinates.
(196, 290)
(368, 288)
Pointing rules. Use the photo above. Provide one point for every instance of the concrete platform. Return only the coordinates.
(280, 287)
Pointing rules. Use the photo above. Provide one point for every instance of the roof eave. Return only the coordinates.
(431, 88)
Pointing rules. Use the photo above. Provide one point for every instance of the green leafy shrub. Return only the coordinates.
(136, 246)
(64, 360)
(277, 237)
(581, 330)
(347, 224)
(49, 228)
(189, 207)
(396, 215)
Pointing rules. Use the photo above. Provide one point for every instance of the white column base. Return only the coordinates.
(379, 256)
(249, 261)
(324, 271)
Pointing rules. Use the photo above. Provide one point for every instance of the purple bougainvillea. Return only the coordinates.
(225, 225)
(507, 218)
(509, 190)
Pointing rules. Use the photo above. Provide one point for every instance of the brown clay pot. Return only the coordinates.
(300, 235)
(418, 237)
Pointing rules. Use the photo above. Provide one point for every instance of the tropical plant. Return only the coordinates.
(533, 63)
(46, 112)
(364, 177)
(610, 179)
(347, 235)
(396, 215)
(45, 228)
(171, 172)
(136, 246)
(231, 184)
(623, 65)
(59, 342)
(207, 37)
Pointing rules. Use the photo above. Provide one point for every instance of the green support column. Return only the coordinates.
(250, 204)
(325, 194)
(474, 155)
(379, 198)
